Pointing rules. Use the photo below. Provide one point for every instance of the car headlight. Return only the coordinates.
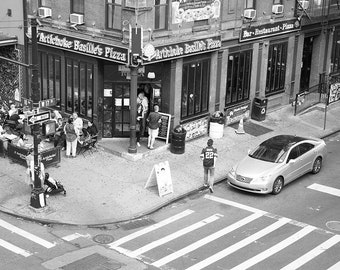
(232, 172)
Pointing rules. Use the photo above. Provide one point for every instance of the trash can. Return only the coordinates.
(178, 140)
(259, 109)
(216, 125)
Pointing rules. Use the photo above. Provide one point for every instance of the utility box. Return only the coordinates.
(259, 109)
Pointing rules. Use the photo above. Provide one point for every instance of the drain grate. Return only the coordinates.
(94, 262)
(333, 225)
(138, 223)
(103, 238)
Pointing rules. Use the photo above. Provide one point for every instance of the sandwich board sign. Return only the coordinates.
(161, 176)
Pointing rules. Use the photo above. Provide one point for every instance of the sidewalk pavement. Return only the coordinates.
(108, 185)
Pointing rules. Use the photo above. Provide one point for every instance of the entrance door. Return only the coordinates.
(116, 110)
(306, 63)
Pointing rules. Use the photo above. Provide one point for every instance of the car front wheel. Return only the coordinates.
(277, 185)
(317, 165)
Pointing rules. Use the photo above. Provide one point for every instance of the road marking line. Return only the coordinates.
(175, 235)
(335, 266)
(234, 204)
(74, 236)
(14, 248)
(25, 234)
(206, 240)
(325, 189)
(274, 249)
(313, 253)
(225, 252)
(150, 228)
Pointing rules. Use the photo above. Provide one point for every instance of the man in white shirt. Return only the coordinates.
(78, 124)
(145, 105)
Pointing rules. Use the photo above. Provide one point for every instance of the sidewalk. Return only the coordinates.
(108, 185)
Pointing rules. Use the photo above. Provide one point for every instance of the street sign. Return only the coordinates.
(38, 118)
(47, 102)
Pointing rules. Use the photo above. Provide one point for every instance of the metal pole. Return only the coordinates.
(133, 109)
(38, 199)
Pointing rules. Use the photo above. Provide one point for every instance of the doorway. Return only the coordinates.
(306, 63)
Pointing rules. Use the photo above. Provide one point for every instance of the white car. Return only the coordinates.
(276, 162)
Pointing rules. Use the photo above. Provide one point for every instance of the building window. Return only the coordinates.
(77, 6)
(44, 3)
(335, 58)
(50, 71)
(277, 2)
(250, 4)
(276, 70)
(79, 87)
(238, 77)
(114, 14)
(161, 14)
(195, 88)
(135, 3)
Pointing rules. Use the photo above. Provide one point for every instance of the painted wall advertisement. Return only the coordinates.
(196, 128)
(193, 10)
(235, 114)
(334, 92)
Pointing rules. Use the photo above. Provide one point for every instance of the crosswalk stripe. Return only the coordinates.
(174, 235)
(325, 189)
(150, 228)
(14, 248)
(206, 240)
(313, 253)
(25, 234)
(335, 266)
(234, 204)
(225, 252)
(274, 249)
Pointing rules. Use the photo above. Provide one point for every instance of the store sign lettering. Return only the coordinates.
(100, 50)
(269, 30)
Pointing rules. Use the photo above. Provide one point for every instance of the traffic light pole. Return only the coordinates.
(38, 199)
(133, 109)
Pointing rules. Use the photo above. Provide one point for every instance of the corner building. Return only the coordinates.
(198, 57)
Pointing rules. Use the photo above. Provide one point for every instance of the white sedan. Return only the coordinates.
(277, 162)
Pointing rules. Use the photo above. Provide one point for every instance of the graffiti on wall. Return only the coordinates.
(196, 128)
(237, 113)
(334, 92)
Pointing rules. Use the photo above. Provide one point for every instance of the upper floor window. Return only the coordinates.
(44, 3)
(135, 3)
(161, 14)
(250, 4)
(277, 2)
(77, 6)
(114, 14)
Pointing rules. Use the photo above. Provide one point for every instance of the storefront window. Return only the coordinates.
(50, 76)
(161, 14)
(238, 77)
(114, 14)
(195, 88)
(335, 59)
(77, 6)
(276, 70)
(79, 87)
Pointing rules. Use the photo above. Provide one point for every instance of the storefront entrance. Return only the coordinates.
(306, 63)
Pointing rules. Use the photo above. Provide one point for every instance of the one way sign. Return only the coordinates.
(38, 118)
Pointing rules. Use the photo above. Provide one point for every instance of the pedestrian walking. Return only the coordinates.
(209, 155)
(154, 120)
(71, 139)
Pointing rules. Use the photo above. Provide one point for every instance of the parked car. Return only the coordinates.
(276, 162)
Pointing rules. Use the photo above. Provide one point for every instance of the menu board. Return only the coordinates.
(164, 127)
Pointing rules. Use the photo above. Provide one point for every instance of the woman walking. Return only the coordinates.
(71, 139)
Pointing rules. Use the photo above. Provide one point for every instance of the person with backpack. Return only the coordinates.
(208, 156)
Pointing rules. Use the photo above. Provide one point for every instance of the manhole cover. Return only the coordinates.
(103, 238)
(333, 225)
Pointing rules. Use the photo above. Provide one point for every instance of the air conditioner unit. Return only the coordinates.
(277, 9)
(76, 18)
(249, 14)
(303, 5)
(44, 12)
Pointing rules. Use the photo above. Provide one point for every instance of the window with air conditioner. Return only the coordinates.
(76, 18)
(44, 12)
(277, 9)
(77, 6)
(250, 4)
(249, 14)
(303, 5)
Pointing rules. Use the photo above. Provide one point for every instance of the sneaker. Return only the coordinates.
(151, 147)
(211, 189)
(138, 144)
(205, 185)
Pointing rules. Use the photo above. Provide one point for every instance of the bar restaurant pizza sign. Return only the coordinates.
(161, 53)
(87, 47)
(271, 29)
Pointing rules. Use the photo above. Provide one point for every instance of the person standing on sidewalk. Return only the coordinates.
(209, 155)
(71, 139)
(154, 119)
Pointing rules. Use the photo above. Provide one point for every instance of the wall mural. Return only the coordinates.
(193, 10)
(196, 128)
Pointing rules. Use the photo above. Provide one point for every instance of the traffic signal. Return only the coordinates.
(135, 60)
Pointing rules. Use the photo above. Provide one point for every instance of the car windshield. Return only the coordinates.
(267, 153)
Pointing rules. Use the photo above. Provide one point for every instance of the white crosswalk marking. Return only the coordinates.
(335, 266)
(313, 253)
(325, 189)
(150, 228)
(225, 252)
(279, 246)
(14, 248)
(26, 235)
(174, 235)
(206, 240)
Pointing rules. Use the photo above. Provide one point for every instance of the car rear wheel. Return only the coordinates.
(317, 165)
(277, 185)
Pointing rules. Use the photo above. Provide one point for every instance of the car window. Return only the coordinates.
(267, 153)
(294, 153)
(305, 147)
